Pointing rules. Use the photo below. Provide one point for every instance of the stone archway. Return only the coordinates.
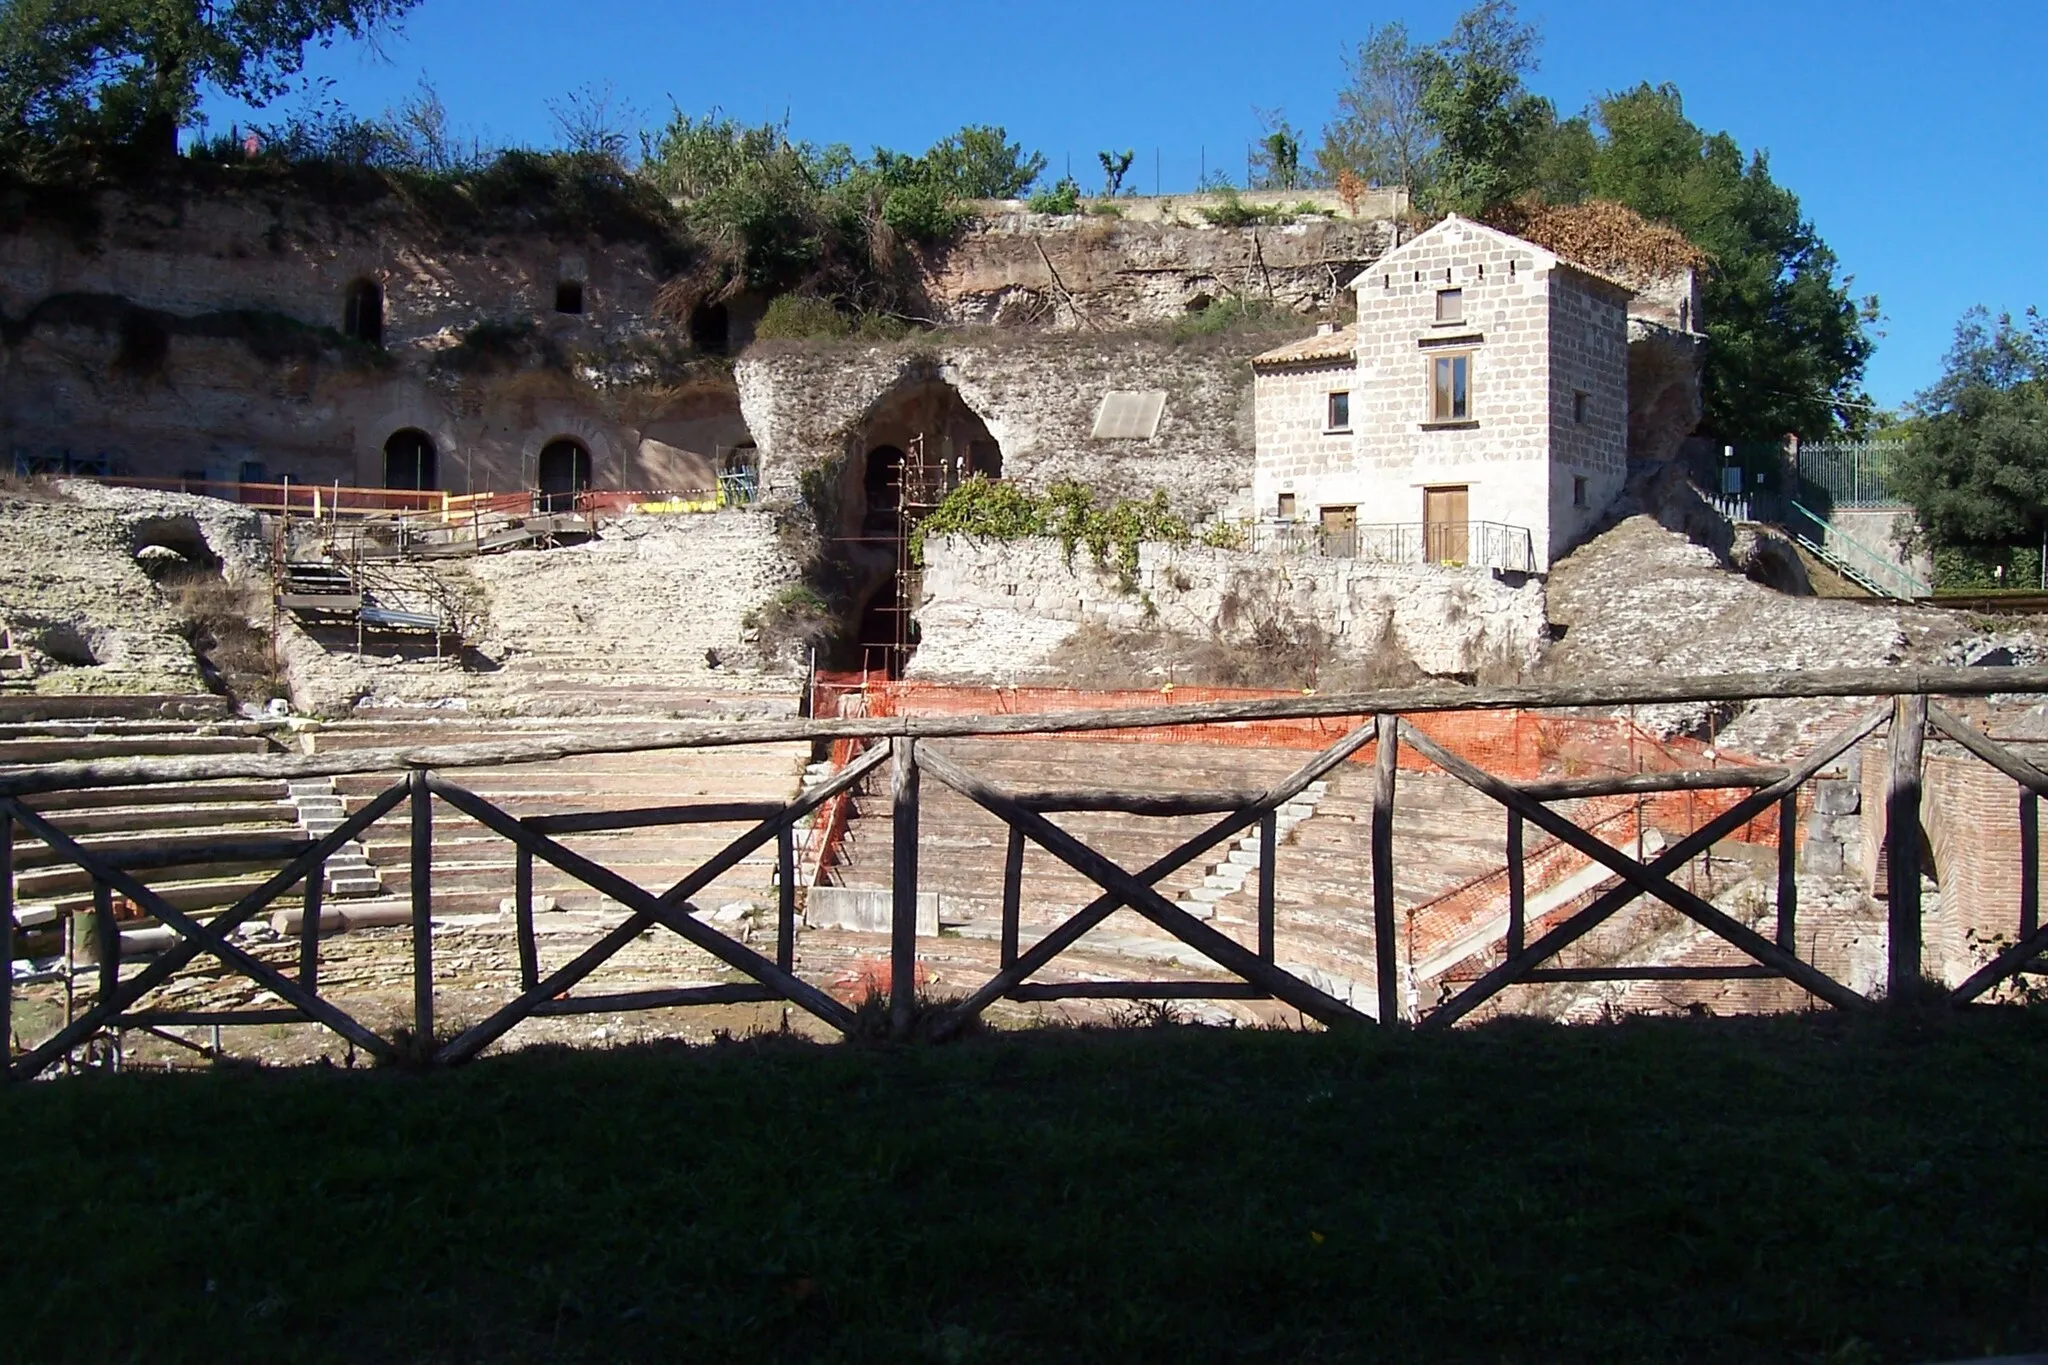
(411, 461)
(562, 472)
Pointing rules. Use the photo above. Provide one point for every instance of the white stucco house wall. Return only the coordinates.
(1475, 413)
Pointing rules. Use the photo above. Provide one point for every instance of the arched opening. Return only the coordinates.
(411, 462)
(563, 472)
(711, 328)
(362, 312)
(919, 443)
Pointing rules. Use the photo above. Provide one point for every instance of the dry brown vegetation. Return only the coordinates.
(1603, 236)
(237, 656)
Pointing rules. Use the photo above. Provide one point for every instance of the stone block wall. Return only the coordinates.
(1296, 445)
(812, 404)
(997, 609)
(1589, 400)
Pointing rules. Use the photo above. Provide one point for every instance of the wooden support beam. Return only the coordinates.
(785, 898)
(1788, 872)
(653, 817)
(1102, 907)
(1902, 846)
(522, 918)
(1678, 855)
(738, 993)
(649, 909)
(309, 928)
(1386, 965)
(1218, 948)
(2030, 863)
(6, 941)
(1756, 972)
(1518, 888)
(1650, 784)
(154, 1019)
(1997, 755)
(1615, 692)
(1137, 803)
(1269, 849)
(1013, 895)
(1138, 990)
(106, 940)
(903, 804)
(422, 916)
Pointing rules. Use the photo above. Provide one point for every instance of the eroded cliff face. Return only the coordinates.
(1031, 270)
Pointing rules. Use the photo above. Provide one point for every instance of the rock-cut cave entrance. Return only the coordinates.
(920, 442)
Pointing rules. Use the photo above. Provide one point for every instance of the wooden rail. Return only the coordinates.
(1903, 713)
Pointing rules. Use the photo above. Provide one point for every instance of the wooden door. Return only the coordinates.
(1445, 517)
(1340, 531)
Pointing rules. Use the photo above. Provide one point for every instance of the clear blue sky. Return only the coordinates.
(1913, 132)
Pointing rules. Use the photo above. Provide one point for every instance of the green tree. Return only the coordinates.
(1975, 466)
(80, 77)
(1380, 134)
(980, 162)
(1115, 166)
(1787, 340)
(1276, 156)
(1490, 129)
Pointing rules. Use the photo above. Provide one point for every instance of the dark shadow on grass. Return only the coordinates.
(1798, 1189)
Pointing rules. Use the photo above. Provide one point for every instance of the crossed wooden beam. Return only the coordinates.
(1025, 815)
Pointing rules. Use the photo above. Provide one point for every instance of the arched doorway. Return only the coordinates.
(362, 311)
(563, 472)
(410, 461)
(882, 483)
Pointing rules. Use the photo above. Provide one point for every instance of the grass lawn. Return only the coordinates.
(1816, 1189)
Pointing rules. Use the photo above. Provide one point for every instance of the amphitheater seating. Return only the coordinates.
(473, 868)
(124, 819)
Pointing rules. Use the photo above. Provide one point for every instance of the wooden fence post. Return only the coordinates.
(1385, 959)
(1518, 889)
(785, 899)
(1902, 845)
(1013, 896)
(903, 882)
(7, 944)
(522, 918)
(1269, 847)
(310, 909)
(422, 915)
(2030, 863)
(1788, 871)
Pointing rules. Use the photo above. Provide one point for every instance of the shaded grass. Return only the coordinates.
(1800, 1190)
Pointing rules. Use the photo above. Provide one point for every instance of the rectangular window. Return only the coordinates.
(1286, 512)
(1450, 305)
(1578, 490)
(1579, 402)
(1340, 412)
(1450, 387)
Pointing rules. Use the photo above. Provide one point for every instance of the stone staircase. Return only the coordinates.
(167, 816)
(322, 810)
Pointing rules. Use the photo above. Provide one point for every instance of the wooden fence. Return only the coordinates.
(1901, 707)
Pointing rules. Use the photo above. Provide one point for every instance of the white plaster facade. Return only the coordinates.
(1540, 442)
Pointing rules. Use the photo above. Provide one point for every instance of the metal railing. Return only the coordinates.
(1461, 544)
(1379, 725)
(1857, 560)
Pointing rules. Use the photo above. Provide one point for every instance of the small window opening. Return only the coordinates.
(711, 329)
(569, 296)
(1286, 507)
(362, 312)
(1450, 388)
(1511, 269)
(1482, 270)
(1580, 399)
(1450, 305)
(1340, 412)
(1579, 490)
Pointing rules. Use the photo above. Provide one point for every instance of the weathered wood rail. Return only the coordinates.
(1900, 707)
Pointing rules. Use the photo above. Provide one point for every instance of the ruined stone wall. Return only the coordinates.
(1083, 273)
(813, 405)
(201, 337)
(997, 609)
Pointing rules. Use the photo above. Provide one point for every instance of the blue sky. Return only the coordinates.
(1914, 133)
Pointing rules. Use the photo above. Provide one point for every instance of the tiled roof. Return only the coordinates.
(1341, 344)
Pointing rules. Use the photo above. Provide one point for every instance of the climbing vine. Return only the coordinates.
(1068, 512)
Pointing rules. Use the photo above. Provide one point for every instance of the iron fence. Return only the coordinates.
(1458, 544)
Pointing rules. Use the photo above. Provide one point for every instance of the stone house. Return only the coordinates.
(1476, 412)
